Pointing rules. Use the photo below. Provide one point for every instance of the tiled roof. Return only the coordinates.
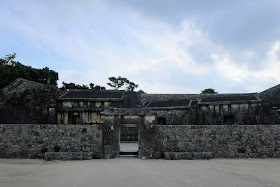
(93, 94)
(229, 97)
(169, 103)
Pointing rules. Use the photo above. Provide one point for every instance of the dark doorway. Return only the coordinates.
(161, 121)
(75, 119)
(129, 140)
(228, 120)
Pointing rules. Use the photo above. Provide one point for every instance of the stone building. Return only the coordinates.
(230, 109)
(85, 106)
(37, 120)
(26, 101)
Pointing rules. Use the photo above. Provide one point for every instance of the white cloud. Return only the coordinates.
(102, 41)
(269, 71)
(229, 69)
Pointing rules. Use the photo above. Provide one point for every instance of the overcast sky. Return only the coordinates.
(166, 46)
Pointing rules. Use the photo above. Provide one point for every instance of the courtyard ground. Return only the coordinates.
(137, 172)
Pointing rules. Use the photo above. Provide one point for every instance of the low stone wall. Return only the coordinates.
(33, 140)
(187, 155)
(224, 141)
(68, 155)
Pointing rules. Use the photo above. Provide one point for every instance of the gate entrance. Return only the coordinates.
(128, 140)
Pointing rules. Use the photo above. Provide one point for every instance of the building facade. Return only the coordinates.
(38, 120)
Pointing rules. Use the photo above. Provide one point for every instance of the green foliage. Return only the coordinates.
(96, 87)
(118, 82)
(208, 91)
(131, 86)
(141, 91)
(66, 86)
(10, 70)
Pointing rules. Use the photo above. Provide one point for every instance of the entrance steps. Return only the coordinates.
(128, 150)
(128, 155)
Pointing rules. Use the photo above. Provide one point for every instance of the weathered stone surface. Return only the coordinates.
(224, 141)
(33, 140)
(68, 155)
(187, 155)
(26, 101)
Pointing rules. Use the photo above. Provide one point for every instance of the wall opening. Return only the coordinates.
(56, 148)
(161, 121)
(129, 140)
(75, 119)
(229, 119)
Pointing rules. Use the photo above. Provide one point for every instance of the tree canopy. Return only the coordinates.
(208, 91)
(118, 82)
(10, 70)
(66, 86)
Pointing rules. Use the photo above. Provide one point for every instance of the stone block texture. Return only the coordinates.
(68, 155)
(33, 140)
(187, 155)
(224, 141)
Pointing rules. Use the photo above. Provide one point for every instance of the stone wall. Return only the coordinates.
(33, 140)
(271, 104)
(146, 98)
(28, 102)
(271, 95)
(132, 99)
(177, 116)
(27, 115)
(242, 113)
(224, 141)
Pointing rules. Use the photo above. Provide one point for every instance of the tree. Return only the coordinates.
(9, 59)
(66, 86)
(97, 87)
(141, 91)
(10, 70)
(131, 86)
(118, 82)
(208, 91)
(91, 85)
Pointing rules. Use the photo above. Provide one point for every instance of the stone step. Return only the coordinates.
(128, 153)
(187, 155)
(128, 156)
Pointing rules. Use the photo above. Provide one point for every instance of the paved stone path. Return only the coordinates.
(137, 172)
(128, 147)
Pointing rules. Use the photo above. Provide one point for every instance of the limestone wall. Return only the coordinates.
(28, 102)
(246, 113)
(177, 116)
(33, 140)
(224, 141)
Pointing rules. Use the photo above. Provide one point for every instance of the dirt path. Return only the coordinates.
(136, 172)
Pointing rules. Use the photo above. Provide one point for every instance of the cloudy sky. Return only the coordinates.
(166, 46)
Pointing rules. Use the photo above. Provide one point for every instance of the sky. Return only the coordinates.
(165, 46)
